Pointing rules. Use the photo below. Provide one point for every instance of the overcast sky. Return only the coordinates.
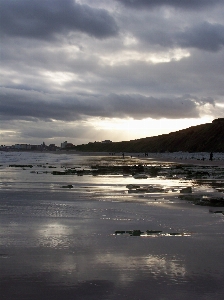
(89, 70)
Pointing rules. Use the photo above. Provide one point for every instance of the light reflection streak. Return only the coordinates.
(161, 265)
(151, 265)
(54, 235)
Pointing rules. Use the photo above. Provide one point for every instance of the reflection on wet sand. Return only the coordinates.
(151, 265)
(53, 235)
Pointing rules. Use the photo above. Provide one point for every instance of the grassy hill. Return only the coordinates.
(206, 137)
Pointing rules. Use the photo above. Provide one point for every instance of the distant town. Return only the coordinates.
(42, 147)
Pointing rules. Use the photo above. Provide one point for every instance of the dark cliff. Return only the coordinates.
(206, 137)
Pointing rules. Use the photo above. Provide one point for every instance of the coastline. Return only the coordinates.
(155, 157)
(151, 158)
(218, 163)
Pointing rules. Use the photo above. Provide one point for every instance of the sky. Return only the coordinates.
(90, 70)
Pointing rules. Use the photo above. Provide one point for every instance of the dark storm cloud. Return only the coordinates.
(43, 19)
(139, 107)
(204, 36)
(28, 105)
(191, 4)
(50, 129)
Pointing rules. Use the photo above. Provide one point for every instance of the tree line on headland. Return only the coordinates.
(202, 138)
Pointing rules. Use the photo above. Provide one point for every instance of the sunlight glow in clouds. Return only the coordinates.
(144, 128)
(61, 78)
(127, 56)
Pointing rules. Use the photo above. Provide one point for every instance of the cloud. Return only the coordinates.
(32, 105)
(45, 19)
(64, 62)
(59, 131)
(204, 36)
(140, 107)
(189, 4)
(50, 131)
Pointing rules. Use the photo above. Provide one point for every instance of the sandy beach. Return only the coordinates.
(61, 243)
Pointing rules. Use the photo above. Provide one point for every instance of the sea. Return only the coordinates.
(83, 236)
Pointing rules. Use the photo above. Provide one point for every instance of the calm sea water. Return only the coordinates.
(58, 243)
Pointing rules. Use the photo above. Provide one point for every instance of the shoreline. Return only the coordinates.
(218, 163)
(157, 157)
(152, 157)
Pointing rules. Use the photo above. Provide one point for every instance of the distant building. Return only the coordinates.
(37, 147)
(22, 147)
(69, 145)
(29, 147)
(66, 145)
(63, 145)
(52, 147)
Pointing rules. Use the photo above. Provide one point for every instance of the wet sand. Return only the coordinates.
(54, 249)
(61, 244)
